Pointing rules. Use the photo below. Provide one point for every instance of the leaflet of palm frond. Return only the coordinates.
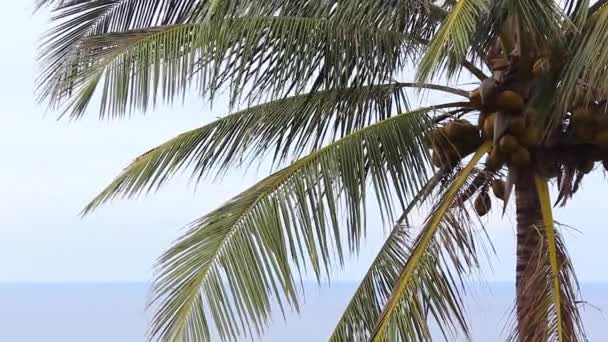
(79, 19)
(563, 328)
(541, 22)
(443, 251)
(450, 45)
(540, 305)
(587, 60)
(566, 182)
(578, 11)
(256, 44)
(258, 57)
(216, 147)
(357, 321)
(294, 217)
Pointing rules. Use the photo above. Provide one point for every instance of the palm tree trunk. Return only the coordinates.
(531, 325)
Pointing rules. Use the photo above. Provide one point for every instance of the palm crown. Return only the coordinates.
(319, 80)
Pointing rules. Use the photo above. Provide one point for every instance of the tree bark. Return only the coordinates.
(531, 325)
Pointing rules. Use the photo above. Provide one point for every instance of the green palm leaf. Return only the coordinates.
(588, 60)
(252, 133)
(268, 55)
(549, 283)
(449, 47)
(290, 218)
(539, 283)
(542, 22)
(547, 213)
(357, 321)
(79, 19)
(423, 280)
(268, 46)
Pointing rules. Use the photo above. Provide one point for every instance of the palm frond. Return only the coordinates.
(597, 5)
(547, 213)
(587, 63)
(450, 45)
(253, 133)
(539, 288)
(267, 47)
(424, 280)
(243, 254)
(357, 321)
(578, 11)
(541, 23)
(267, 55)
(76, 20)
(548, 283)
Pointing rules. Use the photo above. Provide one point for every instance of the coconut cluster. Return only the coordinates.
(513, 143)
(454, 141)
(518, 141)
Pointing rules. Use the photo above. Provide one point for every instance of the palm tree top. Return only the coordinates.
(317, 86)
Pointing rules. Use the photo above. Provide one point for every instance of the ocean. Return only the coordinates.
(116, 313)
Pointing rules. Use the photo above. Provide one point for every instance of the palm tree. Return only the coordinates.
(314, 86)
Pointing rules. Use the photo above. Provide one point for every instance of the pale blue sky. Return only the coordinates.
(50, 169)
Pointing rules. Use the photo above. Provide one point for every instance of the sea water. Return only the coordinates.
(116, 313)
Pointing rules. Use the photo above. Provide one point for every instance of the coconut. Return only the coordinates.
(483, 203)
(517, 126)
(454, 130)
(532, 137)
(508, 143)
(510, 101)
(495, 160)
(484, 96)
(488, 126)
(520, 157)
(499, 188)
(441, 159)
(459, 129)
(462, 137)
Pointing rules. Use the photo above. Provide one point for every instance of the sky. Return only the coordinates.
(50, 168)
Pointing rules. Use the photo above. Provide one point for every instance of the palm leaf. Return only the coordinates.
(578, 11)
(401, 318)
(597, 5)
(252, 133)
(357, 321)
(449, 47)
(587, 62)
(547, 213)
(539, 288)
(549, 284)
(290, 219)
(541, 22)
(78, 19)
(267, 55)
(268, 46)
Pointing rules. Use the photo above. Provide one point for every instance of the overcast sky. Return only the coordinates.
(49, 169)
